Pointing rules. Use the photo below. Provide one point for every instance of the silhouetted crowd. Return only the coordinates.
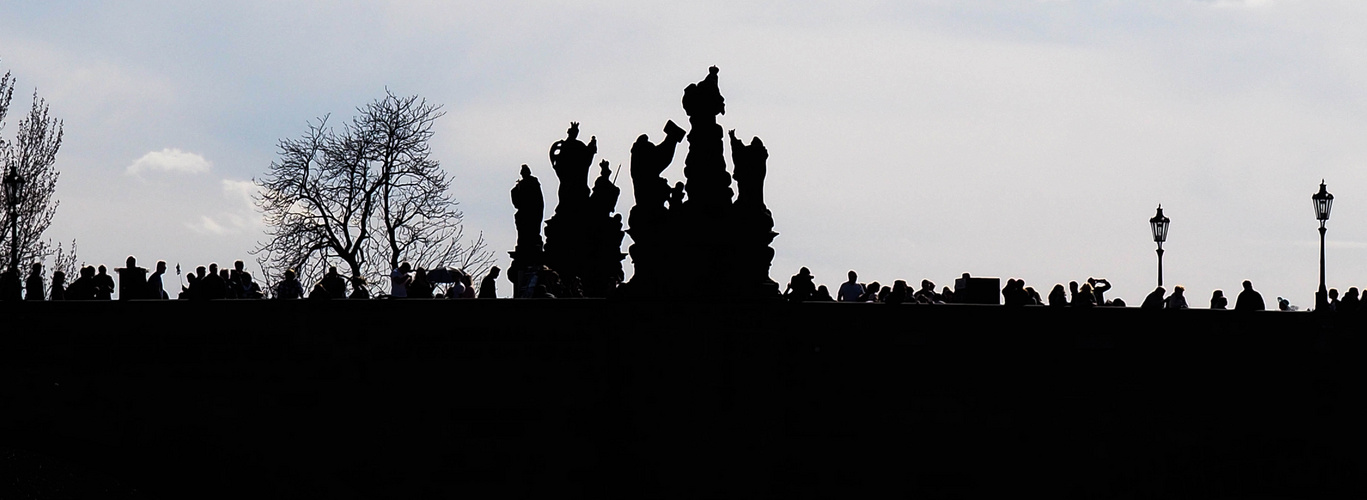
(1092, 293)
(211, 283)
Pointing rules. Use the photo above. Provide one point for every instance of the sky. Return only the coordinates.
(907, 139)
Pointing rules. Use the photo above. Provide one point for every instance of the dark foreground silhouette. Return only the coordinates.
(674, 399)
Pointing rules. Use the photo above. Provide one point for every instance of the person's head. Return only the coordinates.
(899, 286)
(526, 171)
(1072, 286)
(927, 285)
(238, 265)
(1058, 288)
(573, 132)
(213, 268)
(1086, 288)
(103, 270)
(1333, 293)
(1091, 281)
(161, 266)
(853, 276)
(1218, 294)
(493, 272)
(422, 273)
(88, 272)
(132, 261)
(289, 274)
(405, 267)
(59, 277)
(223, 273)
(246, 277)
(1248, 285)
(804, 272)
(37, 268)
(332, 270)
(821, 290)
(358, 280)
(1160, 291)
(1352, 292)
(1177, 290)
(875, 286)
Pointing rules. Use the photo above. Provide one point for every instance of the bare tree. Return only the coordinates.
(33, 157)
(369, 195)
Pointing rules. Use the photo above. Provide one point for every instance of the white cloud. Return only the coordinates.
(240, 217)
(169, 160)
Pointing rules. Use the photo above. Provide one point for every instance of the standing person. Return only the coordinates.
(34, 283)
(419, 288)
(155, 288)
(399, 281)
(800, 287)
(104, 285)
(290, 287)
(1249, 300)
(850, 291)
(1218, 300)
(457, 288)
(488, 287)
(1099, 288)
(1176, 300)
(334, 283)
(83, 288)
(132, 280)
(58, 286)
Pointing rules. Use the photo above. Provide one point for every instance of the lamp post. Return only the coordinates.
(1323, 202)
(14, 187)
(1159, 224)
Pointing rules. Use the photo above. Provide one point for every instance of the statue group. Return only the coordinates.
(689, 240)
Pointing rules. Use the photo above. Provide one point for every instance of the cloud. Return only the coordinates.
(240, 217)
(169, 160)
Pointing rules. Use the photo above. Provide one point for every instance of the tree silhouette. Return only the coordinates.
(33, 156)
(369, 195)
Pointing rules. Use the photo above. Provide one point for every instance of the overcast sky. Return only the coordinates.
(907, 139)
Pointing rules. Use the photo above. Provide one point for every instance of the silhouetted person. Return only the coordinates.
(457, 287)
(1351, 302)
(213, 285)
(1058, 297)
(248, 289)
(800, 287)
(1013, 294)
(1333, 299)
(289, 288)
(84, 286)
(1099, 288)
(235, 279)
(334, 283)
(540, 292)
(420, 288)
(1284, 305)
(1249, 300)
(1177, 300)
(822, 295)
(1154, 300)
(850, 291)
(11, 286)
(883, 294)
(488, 287)
(155, 288)
(871, 292)
(1118, 302)
(319, 292)
(1084, 297)
(132, 280)
(34, 286)
(898, 294)
(358, 289)
(1218, 300)
(104, 284)
(946, 295)
(1035, 299)
(58, 286)
(469, 292)
(926, 295)
(399, 280)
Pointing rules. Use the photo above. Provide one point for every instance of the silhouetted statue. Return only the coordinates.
(531, 210)
(132, 280)
(1249, 300)
(571, 159)
(603, 201)
(676, 196)
(34, 288)
(751, 167)
(648, 163)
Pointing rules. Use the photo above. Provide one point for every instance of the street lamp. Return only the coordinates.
(1323, 202)
(1159, 224)
(14, 187)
